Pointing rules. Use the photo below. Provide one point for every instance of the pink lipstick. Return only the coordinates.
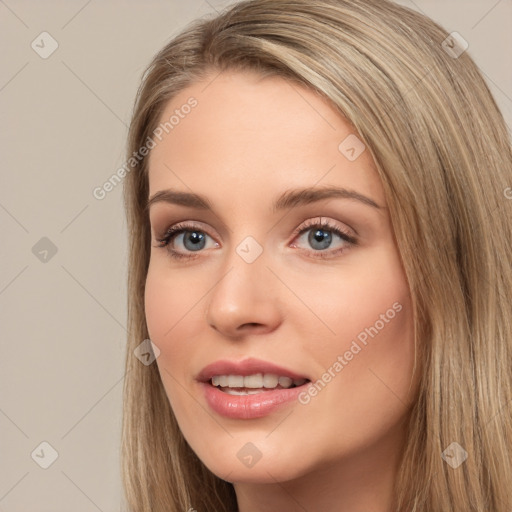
(249, 389)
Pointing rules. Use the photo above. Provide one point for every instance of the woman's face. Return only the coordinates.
(310, 282)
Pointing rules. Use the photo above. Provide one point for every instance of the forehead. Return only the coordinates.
(254, 135)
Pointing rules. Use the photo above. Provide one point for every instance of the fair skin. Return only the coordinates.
(246, 142)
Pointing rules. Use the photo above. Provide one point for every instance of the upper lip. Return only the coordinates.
(248, 366)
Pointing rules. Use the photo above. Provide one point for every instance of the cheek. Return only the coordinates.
(364, 395)
(160, 307)
(370, 348)
(172, 318)
(368, 300)
(371, 354)
(171, 308)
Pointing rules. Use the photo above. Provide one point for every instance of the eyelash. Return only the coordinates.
(177, 229)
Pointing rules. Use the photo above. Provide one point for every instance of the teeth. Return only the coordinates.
(256, 381)
(253, 381)
(270, 380)
(235, 381)
(247, 392)
(285, 382)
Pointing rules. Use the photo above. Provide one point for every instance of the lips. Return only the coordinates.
(241, 403)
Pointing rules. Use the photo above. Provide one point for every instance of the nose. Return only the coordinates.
(245, 299)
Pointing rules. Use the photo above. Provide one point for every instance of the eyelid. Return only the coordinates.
(188, 225)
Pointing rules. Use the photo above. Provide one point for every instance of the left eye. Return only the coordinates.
(320, 237)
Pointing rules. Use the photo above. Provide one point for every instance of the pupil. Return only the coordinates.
(196, 238)
(320, 236)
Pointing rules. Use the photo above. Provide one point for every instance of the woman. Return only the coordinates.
(319, 214)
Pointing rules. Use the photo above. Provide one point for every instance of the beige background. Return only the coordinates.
(64, 122)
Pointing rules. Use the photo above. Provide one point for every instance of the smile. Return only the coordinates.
(248, 389)
(254, 384)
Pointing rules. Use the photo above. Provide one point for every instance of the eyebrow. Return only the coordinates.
(289, 199)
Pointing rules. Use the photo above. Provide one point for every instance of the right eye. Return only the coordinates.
(191, 237)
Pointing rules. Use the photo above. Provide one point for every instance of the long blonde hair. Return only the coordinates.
(443, 153)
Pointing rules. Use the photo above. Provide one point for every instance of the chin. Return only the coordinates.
(246, 463)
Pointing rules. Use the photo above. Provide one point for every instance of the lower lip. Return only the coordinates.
(245, 407)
